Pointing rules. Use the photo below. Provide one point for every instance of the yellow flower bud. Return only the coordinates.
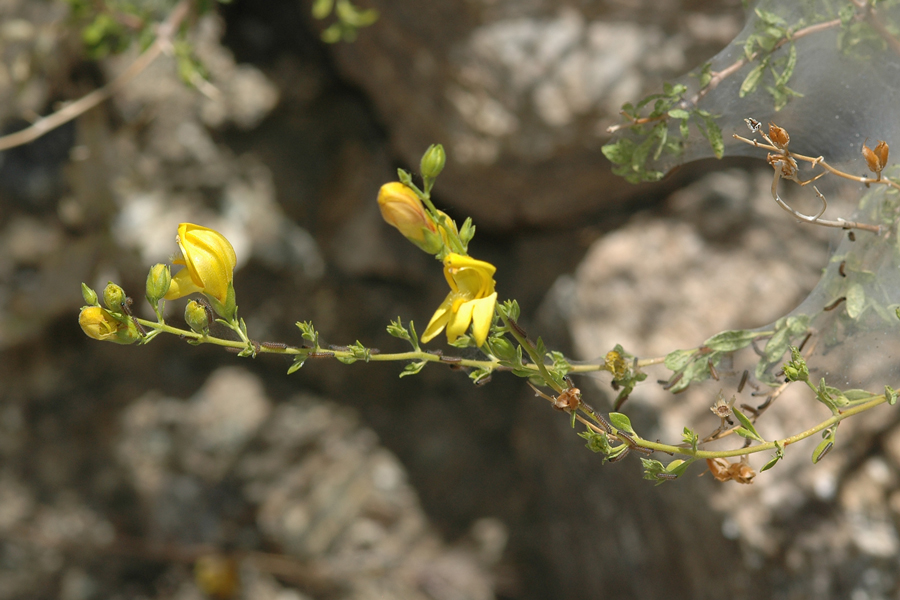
(433, 161)
(209, 262)
(401, 208)
(97, 323)
(89, 295)
(196, 317)
(158, 281)
(113, 297)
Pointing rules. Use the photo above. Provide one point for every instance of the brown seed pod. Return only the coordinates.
(876, 158)
(779, 136)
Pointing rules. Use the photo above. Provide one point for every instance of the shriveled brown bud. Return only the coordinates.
(779, 136)
(877, 158)
(787, 165)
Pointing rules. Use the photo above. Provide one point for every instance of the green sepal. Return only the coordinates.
(89, 295)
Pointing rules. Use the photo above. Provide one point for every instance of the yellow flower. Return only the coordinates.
(209, 263)
(401, 208)
(471, 300)
(97, 323)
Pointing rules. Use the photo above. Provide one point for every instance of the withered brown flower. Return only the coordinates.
(876, 158)
(779, 136)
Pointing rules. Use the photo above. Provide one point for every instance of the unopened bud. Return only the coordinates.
(503, 349)
(97, 323)
(433, 161)
(158, 281)
(113, 297)
(401, 208)
(89, 295)
(196, 317)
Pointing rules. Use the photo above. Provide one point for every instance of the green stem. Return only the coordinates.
(536, 359)
(489, 365)
(701, 454)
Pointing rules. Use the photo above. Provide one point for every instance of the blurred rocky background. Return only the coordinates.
(169, 471)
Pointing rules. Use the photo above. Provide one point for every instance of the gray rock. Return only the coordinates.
(521, 93)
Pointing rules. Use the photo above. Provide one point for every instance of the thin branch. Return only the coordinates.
(738, 64)
(162, 43)
(728, 71)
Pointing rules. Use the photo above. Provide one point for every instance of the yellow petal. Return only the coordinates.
(469, 276)
(182, 285)
(209, 257)
(459, 321)
(482, 317)
(438, 320)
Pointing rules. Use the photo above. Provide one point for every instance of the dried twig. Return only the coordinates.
(163, 42)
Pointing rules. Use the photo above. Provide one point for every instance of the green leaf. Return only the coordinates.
(661, 132)
(620, 152)
(746, 425)
(770, 18)
(788, 70)
(697, 370)
(397, 330)
(689, 437)
(480, 375)
(621, 422)
(770, 464)
(679, 113)
(413, 368)
(751, 81)
(729, 341)
(597, 442)
(510, 309)
(797, 325)
(857, 394)
(298, 362)
(712, 132)
(322, 8)
(823, 448)
(678, 467)
(856, 300)
(309, 332)
(890, 394)
(656, 471)
(652, 469)
(705, 74)
(831, 397)
(777, 345)
(678, 359)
